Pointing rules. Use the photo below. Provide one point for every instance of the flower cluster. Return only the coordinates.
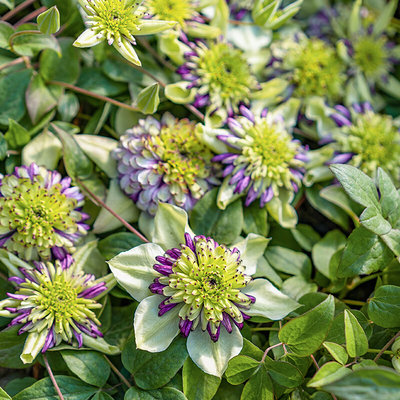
(366, 139)
(218, 73)
(40, 214)
(264, 157)
(164, 161)
(53, 304)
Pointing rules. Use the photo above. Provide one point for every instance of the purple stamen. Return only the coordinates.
(189, 242)
(165, 307)
(185, 326)
(163, 269)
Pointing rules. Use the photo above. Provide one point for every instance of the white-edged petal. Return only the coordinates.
(133, 269)
(251, 249)
(212, 357)
(170, 225)
(88, 38)
(152, 26)
(125, 48)
(154, 333)
(270, 302)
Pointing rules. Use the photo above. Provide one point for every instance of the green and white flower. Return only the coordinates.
(193, 285)
(118, 21)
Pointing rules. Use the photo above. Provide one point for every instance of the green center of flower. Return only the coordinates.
(371, 56)
(374, 140)
(225, 74)
(184, 159)
(317, 69)
(208, 281)
(268, 152)
(171, 10)
(114, 17)
(35, 213)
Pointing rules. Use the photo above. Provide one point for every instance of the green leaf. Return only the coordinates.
(328, 373)
(324, 250)
(6, 30)
(305, 334)
(259, 386)
(384, 18)
(39, 100)
(16, 136)
(367, 384)
(89, 366)
(167, 393)
(373, 220)
(390, 198)
(255, 220)
(359, 186)
(121, 325)
(284, 373)
(94, 80)
(281, 210)
(288, 261)
(384, 307)
(66, 68)
(145, 366)
(30, 43)
(305, 236)
(16, 385)
(75, 160)
(71, 388)
(223, 225)
(117, 243)
(49, 21)
(4, 395)
(356, 340)
(11, 345)
(365, 253)
(179, 94)
(12, 95)
(240, 368)
(102, 396)
(3, 147)
(337, 352)
(354, 24)
(197, 385)
(149, 99)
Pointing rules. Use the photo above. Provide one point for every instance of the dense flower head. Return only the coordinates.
(219, 73)
(53, 304)
(117, 21)
(173, 10)
(314, 68)
(40, 213)
(164, 161)
(366, 139)
(264, 158)
(205, 279)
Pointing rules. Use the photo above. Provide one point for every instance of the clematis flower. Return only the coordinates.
(53, 304)
(218, 74)
(118, 21)
(312, 67)
(264, 161)
(199, 288)
(164, 161)
(366, 140)
(40, 214)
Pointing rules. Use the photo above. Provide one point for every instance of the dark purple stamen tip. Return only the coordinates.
(165, 307)
(185, 326)
(214, 337)
(189, 242)
(163, 269)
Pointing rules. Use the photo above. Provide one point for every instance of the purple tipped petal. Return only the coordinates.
(78, 337)
(266, 196)
(174, 253)
(251, 196)
(247, 113)
(17, 296)
(234, 125)
(237, 176)
(165, 308)
(157, 287)
(16, 279)
(163, 269)
(228, 170)
(343, 110)
(357, 108)
(340, 120)
(226, 322)
(165, 260)
(185, 326)
(367, 106)
(341, 158)
(189, 242)
(49, 341)
(264, 112)
(214, 337)
(242, 185)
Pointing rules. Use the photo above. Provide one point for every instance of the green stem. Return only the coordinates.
(378, 351)
(267, 328)
(354, 302)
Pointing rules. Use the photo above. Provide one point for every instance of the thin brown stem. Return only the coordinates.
(117, 372)
(31, 16)
(268, 350)
(94, 95)
(53, 379)
(18, 60)
(16, 10)
(314, 361)
(101, 203)
(386, 346)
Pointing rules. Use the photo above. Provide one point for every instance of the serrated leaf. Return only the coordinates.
(356, 340)
(49, 21)
(305, 334)
(149, 99)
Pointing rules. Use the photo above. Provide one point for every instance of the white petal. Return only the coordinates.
(154, 333)
(33, 344)
(251, 249)
(125, 48)
(151, 26)
(170, 225)
(212, 357)
(88, 38)
(133, 269)
(270, 302)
